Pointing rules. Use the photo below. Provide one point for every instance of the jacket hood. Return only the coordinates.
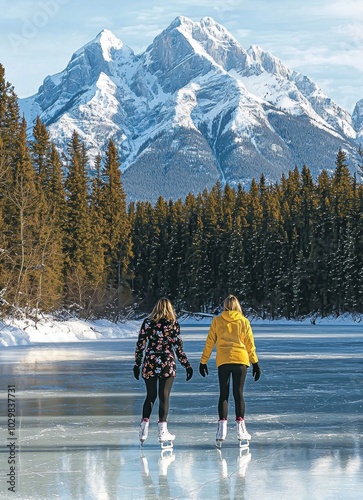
(232, 315)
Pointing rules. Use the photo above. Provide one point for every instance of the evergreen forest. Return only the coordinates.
(72, 244)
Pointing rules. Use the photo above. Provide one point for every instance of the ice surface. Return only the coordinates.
(78, 409)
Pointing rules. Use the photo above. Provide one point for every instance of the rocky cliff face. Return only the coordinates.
(194, 107)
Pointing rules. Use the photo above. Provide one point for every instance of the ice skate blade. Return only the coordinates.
(244, 444)
(219, 443)
(166, 445)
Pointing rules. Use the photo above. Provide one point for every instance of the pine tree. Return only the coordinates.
(321, 250)
(272, 255)
(252, 244)
(213, 232)
(342, 212)
(22, 206)
(191, 206)
(9, 125)
(55, 189)
(196, 283)
(175, 250)
(40, 148)
(141, 240)
(77, 238)
(98, 227)
(9, 128)
(117, 238)
(342, 188)
(236, 268)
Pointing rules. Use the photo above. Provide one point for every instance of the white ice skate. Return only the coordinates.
(143, 430)
(242, 435)
(165, 438)
(221, 432)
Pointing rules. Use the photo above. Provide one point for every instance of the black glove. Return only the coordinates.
(203, 369)
(256, 371)
(136, 372)
(189, 373)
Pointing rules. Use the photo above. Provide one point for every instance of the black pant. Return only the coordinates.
(238, 373)
(165, 385)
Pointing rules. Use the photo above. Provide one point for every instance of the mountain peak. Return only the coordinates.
(207, 24)
(106, 40)
(180, 21)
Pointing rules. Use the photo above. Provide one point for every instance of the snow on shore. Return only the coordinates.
(24, 332)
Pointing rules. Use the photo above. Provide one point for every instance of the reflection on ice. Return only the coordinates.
(161, 489)
(336, 463)
(243, 459)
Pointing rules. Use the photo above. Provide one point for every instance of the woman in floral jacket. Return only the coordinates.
(158, 339)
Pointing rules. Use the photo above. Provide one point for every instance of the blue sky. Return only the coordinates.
(322, 39)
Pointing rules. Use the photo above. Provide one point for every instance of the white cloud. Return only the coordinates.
(343, 9)
(151, 14)
(103, 22)
(241, 33)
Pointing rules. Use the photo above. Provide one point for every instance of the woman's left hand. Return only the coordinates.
(189, 371)
(136, 371)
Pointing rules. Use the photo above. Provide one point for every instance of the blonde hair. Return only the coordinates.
(163, 309)
(231, 303)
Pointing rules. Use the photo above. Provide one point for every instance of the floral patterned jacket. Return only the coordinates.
(159, 340)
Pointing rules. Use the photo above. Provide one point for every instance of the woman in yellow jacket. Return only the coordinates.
(232, 335)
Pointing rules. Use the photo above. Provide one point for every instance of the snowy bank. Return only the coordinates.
(25, 331)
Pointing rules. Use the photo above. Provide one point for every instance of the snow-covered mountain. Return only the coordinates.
(194, 107)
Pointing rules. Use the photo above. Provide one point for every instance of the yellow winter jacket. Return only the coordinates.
(232, 334)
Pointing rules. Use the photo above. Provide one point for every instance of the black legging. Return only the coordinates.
(238, 373)
(165, 384)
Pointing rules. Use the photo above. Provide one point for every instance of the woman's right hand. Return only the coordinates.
(256, 371)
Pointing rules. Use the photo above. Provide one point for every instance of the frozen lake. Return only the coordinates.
(78, 409)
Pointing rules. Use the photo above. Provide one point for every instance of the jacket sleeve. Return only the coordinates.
(178, 347)
(209, 343)
(141, 343)
(250, 343)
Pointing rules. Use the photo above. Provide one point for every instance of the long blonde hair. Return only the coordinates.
(163, 309)
(231, 303)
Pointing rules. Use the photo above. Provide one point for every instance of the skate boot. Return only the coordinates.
(143, 430)
(242, 435)
(165, 438)
(221, 432)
